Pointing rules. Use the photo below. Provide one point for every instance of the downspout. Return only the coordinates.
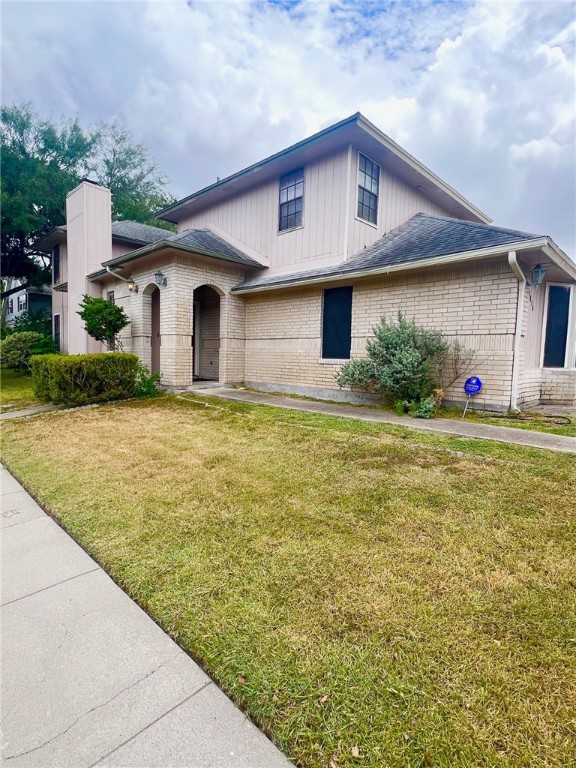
(120, 277)
(513, 262)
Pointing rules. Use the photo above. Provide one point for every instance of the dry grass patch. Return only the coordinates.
(369, 595)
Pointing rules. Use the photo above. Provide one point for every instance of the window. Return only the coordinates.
(337, 323)
(110, 297)
(368, 183)
(56, 265)
(57, 332)
(557, 317)
(22, 303)
(10, 306)
(291, 197)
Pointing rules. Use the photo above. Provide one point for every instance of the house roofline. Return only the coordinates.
(364, 125)
(545, 243)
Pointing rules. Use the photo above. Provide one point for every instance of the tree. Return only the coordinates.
(41, 161)
(103, 320)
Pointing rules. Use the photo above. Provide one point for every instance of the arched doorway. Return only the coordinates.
(151, 325)
(206, 334)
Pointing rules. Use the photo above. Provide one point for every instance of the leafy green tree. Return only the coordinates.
(103, 320)
(41, 161)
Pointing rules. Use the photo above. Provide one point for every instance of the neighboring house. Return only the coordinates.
(29, 299)
(278, 274)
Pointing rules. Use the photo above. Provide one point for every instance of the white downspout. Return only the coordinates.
(513, 262)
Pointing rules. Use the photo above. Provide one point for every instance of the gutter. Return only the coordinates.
(521, 277)
(434, 261)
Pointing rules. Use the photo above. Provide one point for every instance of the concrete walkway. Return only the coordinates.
(32, 411)
(443, 426)
(88, 679)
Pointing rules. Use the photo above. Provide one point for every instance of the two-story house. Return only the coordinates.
(278, 274)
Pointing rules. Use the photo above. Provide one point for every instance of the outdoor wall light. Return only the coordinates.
(160, 279)
(538, 273)
(132, 287)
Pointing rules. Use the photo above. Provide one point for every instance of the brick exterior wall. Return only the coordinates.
(476, 304)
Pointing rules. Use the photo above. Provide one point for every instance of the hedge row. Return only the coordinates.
(83, 379)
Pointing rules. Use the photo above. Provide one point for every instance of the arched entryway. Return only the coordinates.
(151, 299)
(206, 334)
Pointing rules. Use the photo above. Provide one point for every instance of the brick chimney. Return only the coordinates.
(89, 244)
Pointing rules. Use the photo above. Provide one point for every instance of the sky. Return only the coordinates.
(483, 93)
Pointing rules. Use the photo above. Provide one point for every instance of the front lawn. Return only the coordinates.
(15, 389)
(372, 596)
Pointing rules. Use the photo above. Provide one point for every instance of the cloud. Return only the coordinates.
(481, 92)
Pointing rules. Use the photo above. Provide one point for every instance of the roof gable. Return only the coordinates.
(355, 130)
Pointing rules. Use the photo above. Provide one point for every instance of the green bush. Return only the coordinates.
(40, 365)
(16, 349)
(404, 361)
(83, 379)
(146, 382)
(103, 320)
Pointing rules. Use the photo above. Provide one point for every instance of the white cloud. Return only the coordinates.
(482, 92)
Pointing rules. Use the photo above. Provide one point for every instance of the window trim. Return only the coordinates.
(356, 216)
(57, 279)
(59, 344)
(279, 205)
(570, 340)
(335, 360)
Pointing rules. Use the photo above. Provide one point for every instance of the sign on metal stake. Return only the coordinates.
(472, 386)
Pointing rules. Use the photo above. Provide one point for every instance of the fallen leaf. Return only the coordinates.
(428, 758)
(241, 681)
(355, 752)
(322, 699)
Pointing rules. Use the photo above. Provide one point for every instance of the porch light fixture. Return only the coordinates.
(538, 273)
(132, 287)
(160, 279)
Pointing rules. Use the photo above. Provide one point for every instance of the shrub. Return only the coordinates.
(403, 361)
(16, 349)
(39, 321)
(103, 320)
(146, 382)
(407, 364)
(40, 365)
(83, 379)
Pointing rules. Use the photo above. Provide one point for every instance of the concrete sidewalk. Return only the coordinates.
(88, 678)
(455, 427)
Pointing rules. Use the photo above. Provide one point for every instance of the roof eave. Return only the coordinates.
(168, 245)
(434, 261)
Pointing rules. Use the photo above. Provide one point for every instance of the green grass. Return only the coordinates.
(15, 389)
(370, 595)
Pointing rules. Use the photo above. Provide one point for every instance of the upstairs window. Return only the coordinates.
(10, 306)
(368, 184)
(56, 264)
(337, 323)
(22, 302)
(291, 199)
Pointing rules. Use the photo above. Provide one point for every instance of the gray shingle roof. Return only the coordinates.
(138, 233)
(206, 241)
(420, 238)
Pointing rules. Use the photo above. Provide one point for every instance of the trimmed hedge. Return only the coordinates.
(83, 379)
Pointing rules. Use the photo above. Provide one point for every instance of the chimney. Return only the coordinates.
(89, 244)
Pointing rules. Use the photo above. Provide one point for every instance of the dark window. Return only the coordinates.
(110, 297)
(368, 183)
(22, 303)
(57, 332)
(291, 197)
(11, 306)
(56, 264)
(556, 326)
(337, 323)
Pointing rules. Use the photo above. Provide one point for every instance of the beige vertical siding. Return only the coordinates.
(397, 202)
(252, 217)
(475, 304)
(89, 241)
